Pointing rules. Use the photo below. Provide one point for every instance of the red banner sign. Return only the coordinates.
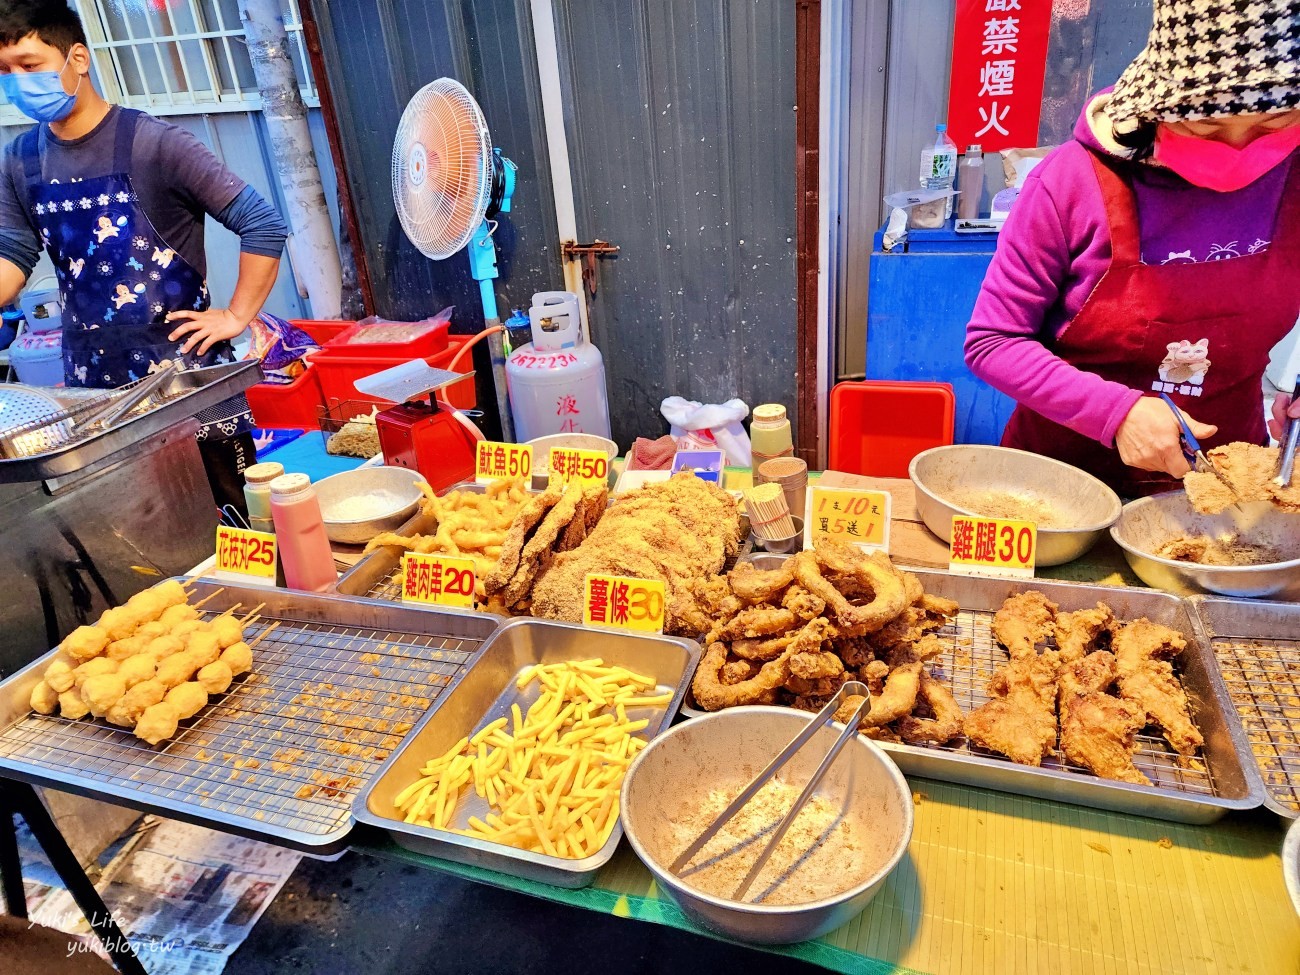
(999, 55)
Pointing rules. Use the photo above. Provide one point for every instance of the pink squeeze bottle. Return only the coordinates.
(300, 534)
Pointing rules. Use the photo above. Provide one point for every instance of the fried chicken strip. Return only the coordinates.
(713, 695)
(1098, 731)
(1020, 721)
(946, 717)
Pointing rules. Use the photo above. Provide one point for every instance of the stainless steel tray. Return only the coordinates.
(332, 692)
(189, 393)
(1178, 794)
(1257, 647)
(375, 576)
(484, 693)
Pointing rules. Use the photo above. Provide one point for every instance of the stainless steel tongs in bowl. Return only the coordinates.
(823, 717)
(1286, 453)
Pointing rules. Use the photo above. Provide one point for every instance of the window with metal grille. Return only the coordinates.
(178, 57)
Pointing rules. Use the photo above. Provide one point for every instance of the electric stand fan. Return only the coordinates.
(448, 184)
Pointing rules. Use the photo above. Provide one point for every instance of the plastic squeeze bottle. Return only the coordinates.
(769, 433)
(971, 183)
(300, 534)
(257, 494)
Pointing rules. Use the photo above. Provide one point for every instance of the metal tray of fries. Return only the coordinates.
(1257, 647)
(1179, 793)
(280, 756)
(483, 694)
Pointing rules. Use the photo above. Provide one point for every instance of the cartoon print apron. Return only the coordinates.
(118, 279)
(1199, 332)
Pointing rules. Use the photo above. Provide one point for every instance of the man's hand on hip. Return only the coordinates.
(205, 328)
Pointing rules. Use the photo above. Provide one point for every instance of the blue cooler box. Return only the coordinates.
(37, 358)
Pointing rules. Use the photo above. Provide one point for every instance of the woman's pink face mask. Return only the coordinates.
(1219, 166)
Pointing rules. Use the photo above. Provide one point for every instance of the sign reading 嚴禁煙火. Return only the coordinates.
(999, 57)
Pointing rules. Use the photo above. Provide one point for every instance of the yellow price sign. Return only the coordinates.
(242, 552)
(993, 546)
(587, 466)
(493, 461)
(860, 517)
(624, 603)
(438, 580)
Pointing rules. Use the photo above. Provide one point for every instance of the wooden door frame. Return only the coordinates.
(808, 19)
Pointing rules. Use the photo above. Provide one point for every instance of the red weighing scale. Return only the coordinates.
(421, 433)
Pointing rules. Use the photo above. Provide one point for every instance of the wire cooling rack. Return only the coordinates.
(1263, 681)
(973, 656)
(281, 754)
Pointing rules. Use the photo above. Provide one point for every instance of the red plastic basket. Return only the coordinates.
(878, 426)
(322, 331)
(296, 406)
(337, 373)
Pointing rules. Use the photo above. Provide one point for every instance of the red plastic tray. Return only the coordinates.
(878, 426)
(296, 406)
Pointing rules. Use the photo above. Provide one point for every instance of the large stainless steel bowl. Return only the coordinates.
(395, 483)
(942, 474)
(1147, 523)
(672, 777)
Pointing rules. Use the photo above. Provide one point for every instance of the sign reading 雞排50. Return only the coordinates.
(999, 55)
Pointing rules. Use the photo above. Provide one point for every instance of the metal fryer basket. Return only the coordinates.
(282, 754)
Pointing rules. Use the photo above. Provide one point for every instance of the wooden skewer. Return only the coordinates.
(250, 621)
(190, 581)
(251, 613)
(209, 598)
(263, 635)
(228, 612)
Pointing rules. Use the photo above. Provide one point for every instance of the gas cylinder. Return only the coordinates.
(557, 381)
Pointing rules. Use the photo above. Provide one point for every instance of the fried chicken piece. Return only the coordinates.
(760, 648)
(712, 695)
(815, 687)
(1020, 721)
(1247, 469)
(945, 721)
(757, 621)
(758, 585)
(1098, 731)
(896, 699)
(736, 670)
(1146, 677)
(802, 603)
(1024, 620)
(1077, 633)
(812, 665)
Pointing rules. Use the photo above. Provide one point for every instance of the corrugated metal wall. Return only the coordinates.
(681, 132)
(241, 141)
(378, 54)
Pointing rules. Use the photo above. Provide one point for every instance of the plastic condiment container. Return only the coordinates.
(257, 494)
(792, 474)
(300, 534)
(769, 433)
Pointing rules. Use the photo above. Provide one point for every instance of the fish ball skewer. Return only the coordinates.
(188, 699)
(72, 705)
(215, 677)
(102, 692)
(127, 711)
(157, 723)
(93, 668)
(59, 675)
(44, 698)
(85, 642)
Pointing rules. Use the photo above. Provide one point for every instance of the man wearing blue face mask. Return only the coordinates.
(117, 198)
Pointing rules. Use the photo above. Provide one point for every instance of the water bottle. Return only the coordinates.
(939, 165)
(939, 161)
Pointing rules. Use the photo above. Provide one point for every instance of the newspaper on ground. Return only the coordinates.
(185, 897)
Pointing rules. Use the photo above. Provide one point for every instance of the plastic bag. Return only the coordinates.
(705, 426)
(280, 346)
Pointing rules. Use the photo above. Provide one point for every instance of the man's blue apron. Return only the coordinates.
(118, 279)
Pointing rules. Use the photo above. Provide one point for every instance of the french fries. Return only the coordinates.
(551, 776)
(469, 524)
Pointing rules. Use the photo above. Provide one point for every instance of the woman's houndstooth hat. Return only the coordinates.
(1212, 58)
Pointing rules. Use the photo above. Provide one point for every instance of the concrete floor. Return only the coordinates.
(363, 915)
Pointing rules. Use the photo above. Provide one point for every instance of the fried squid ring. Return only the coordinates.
(947, 717)
(759, 586)
(761, 650)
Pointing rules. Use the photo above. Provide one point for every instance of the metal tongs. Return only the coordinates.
(1192, 448)
(1286, 455)
(824, 716)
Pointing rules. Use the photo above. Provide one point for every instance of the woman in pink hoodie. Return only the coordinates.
(1158, 252)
